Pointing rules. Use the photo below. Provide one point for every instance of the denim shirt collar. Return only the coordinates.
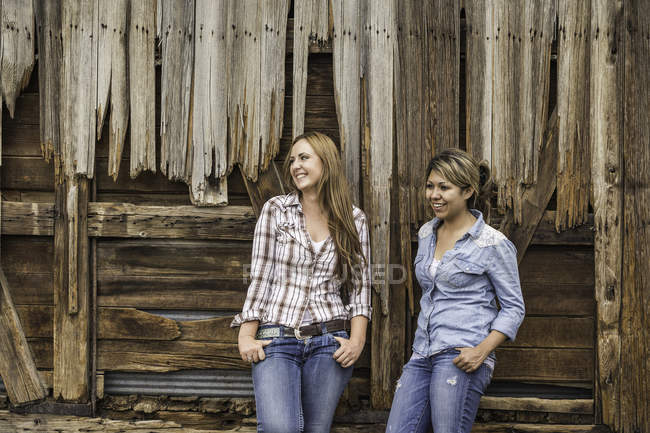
(474, 231)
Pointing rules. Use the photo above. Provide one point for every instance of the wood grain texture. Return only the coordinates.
(17, 365)
(209, 138)
(119, 323)
(79, 86)
(635, 290)
(311, 22)
(35, 219)
(533, 404)
(142, 86)
(177, 57)
(181, 222)
(347, 34)
(544, 365)
(50, 48)
(574, 162)
(606, 136)
(268, 185)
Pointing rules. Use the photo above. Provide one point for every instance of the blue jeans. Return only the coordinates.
(433, 392)
(298, 385)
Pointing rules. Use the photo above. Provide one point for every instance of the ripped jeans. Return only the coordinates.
(433, 392)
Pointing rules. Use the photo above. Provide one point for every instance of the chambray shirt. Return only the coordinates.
(459, 306)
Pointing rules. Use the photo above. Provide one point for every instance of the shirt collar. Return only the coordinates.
(474, 231)
(292, 199)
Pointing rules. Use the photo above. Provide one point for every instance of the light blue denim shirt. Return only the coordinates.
(459, 307)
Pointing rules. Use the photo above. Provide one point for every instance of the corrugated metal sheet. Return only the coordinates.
(188, 315)
(201, 383)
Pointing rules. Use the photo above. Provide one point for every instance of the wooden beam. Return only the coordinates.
(582, 406)
(31, 219)
(535, 199)
(269, 184)
(71, 292)
(126, 220)
(17, 366)
(538, 428)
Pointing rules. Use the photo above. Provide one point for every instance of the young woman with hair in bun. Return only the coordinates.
(464, 267)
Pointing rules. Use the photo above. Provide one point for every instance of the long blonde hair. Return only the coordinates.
(336, 201)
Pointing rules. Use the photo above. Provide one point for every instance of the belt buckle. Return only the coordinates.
(296, 332)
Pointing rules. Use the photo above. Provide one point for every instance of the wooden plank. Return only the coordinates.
(37, 320)
(535, 198)
(216, 330)
(538, 428)
(160, 293)
(35, 219)
(71, 329)
(574, 162)
(555, 332)
(606, 136)
(346, 44)
(177, 57)
(635, 288)
(79, 86)
(17, 49)
(28, 173)
(118, 323)
(319, 75)
(532, 404)
(209, 138)
(558, 299)
(142, 87)
(50, 47)
(181, 222)
(310, 23)
(269, 184)
(544, 264)
(544, 365)
(17, 366)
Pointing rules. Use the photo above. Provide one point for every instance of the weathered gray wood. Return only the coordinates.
(142, 86)
(112, 76)
(35, 219)
(17, 49)
(346, 58)
(379, 148)
(209, 142)
(606, 138)
(310, 22)
(17, 365)
(574, 163)
(635, 299)
(79, 86)
(181, 222)
(48, 19)
(177, 57)
(118, 323)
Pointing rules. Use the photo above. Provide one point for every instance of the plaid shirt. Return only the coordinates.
(287, 278)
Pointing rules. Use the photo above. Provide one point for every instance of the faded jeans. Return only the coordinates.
(298, 385)
(433, 392)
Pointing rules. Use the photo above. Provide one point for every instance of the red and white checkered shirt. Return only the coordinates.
(287, 278)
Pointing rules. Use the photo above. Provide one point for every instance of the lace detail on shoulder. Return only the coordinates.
(489, 236)
(425, 230)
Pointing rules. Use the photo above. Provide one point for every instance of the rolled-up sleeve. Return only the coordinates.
(504, 275)
(360, 298)
(262, 264)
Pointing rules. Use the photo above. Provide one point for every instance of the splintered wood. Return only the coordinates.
(142, 88)
(574, 168)
(311, 22)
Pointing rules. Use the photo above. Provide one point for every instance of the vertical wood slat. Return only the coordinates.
(112, 76)
(79, 86)
(347, 62)
(606, 136)
(177, 55)
(311, 21)
(142, 85)
(17, 49)
(208, 150)
(48, 17)
(635, 290)
(71, 331)
(573, 169)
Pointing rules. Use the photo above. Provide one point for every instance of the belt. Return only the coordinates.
(304, 332)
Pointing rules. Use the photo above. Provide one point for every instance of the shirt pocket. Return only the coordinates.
(464, 273)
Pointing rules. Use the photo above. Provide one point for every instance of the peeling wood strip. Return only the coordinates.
(209, 140)
(142, 86)
(50, 54)
(574, 162)
(606, 136)
(177, 56)
(347, 41)
(73, 246)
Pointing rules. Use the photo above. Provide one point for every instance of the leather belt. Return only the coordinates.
(304, 332)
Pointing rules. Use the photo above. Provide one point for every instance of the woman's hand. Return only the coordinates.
(349, 352)
(469, 359)
(252, 350)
